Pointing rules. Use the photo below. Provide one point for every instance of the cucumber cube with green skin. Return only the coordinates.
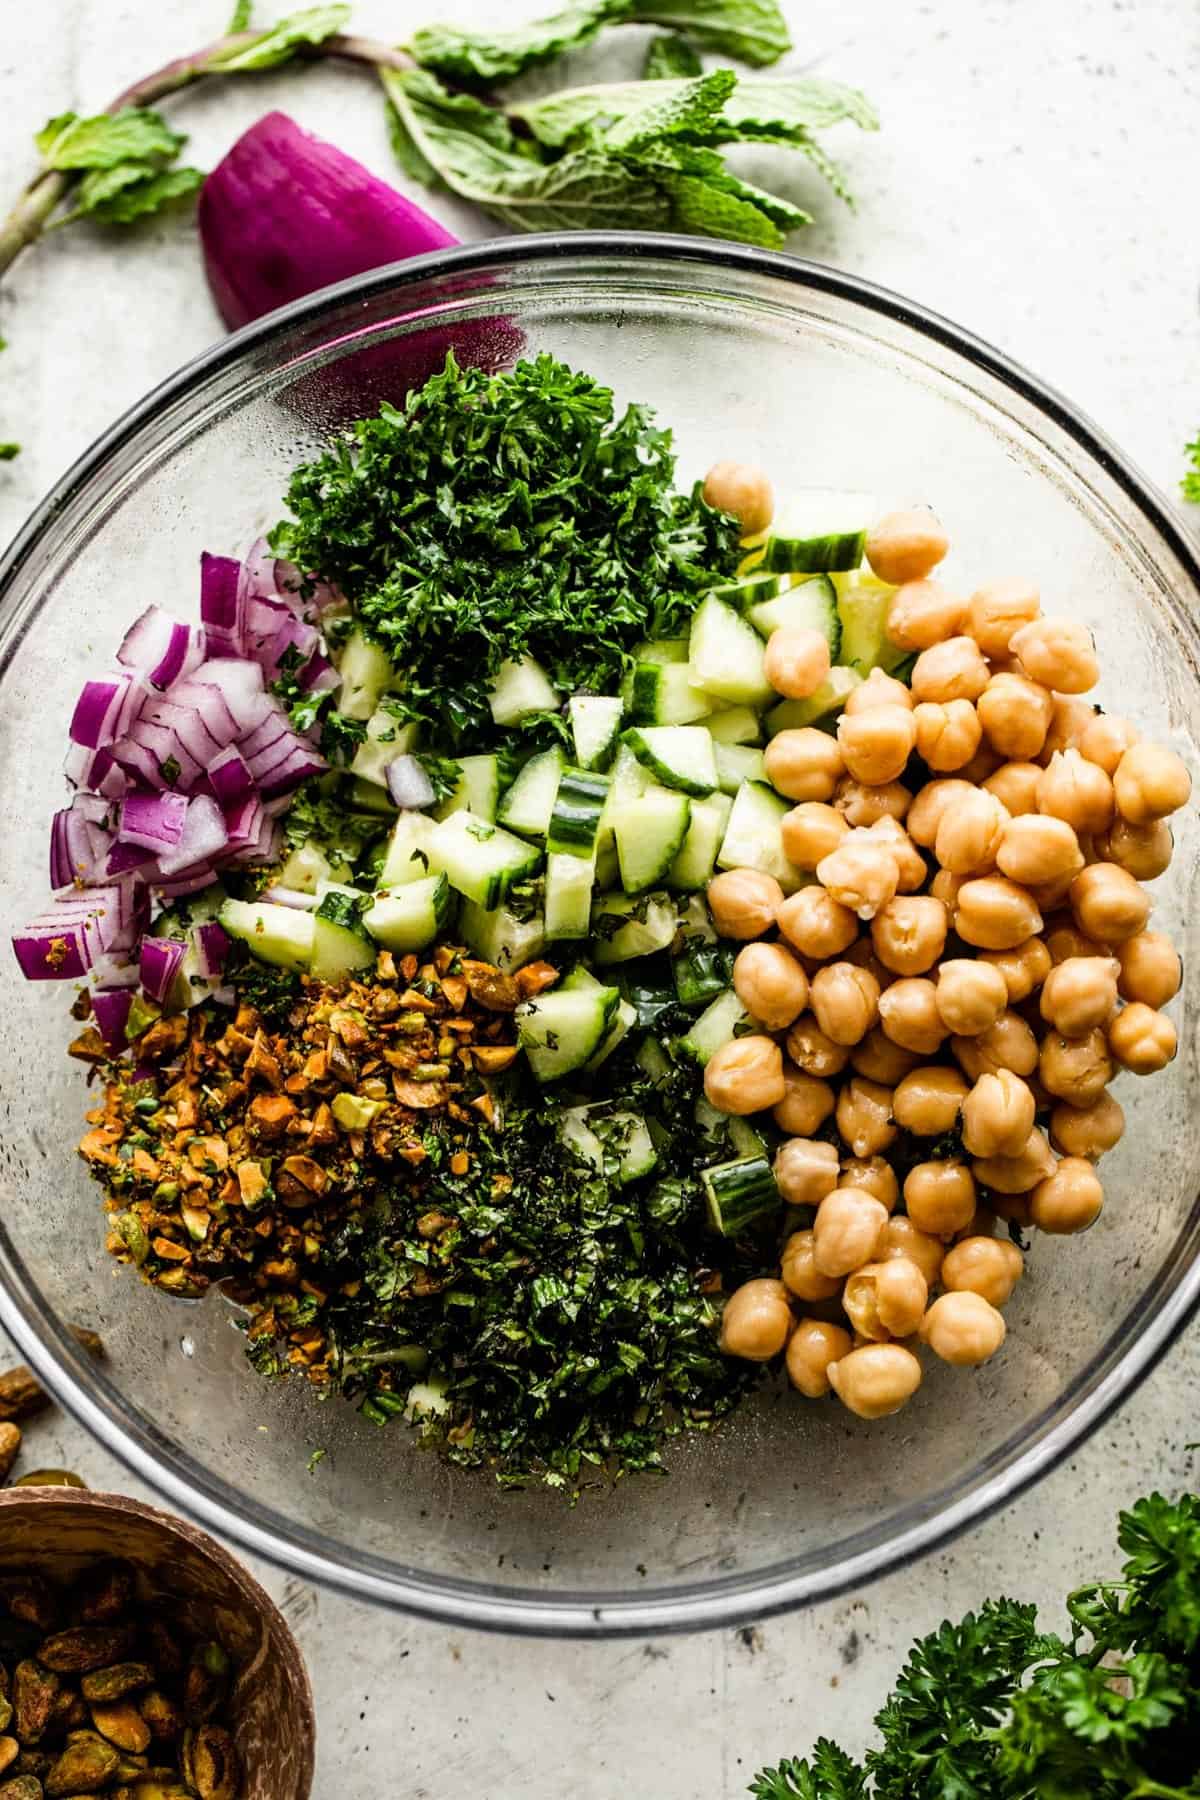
(305, 867)
(726, 655)
(810, 606)
(280, 935)
(559, 1032)
(619, 1141)
(754, 836)
(666, 694)
(649, 834)
(717, 1025)
(519, 689)
(578, 809)
(829, 700)
(340, 947)
(595, 727)
(386, 739)
(477, 789)
(680, 756)
(410, 917)
(734, 725)
(481, 860)
(529, 802)
(501, 937)
(738, 1192)
(569, 880)
(367, 673)
(863, 604)
(625, 926)
(737, 763)
(697, 855)
(813, 533)
(407, 855)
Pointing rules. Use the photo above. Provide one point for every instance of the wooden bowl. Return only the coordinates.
(61, 1530)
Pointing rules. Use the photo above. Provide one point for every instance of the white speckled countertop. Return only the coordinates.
(1035, 181)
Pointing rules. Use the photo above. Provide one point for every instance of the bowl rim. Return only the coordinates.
(716, 1601)
(176, 1531)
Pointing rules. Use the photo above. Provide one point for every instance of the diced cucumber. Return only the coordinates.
(576, 1133)
(618, 1141)
(608, 867)
(576, 814)
(569, 880)
(653, 1061)
(737, 763)
(628, 925)
(681, 756)
(662, 650)
(753, 839)
(367, 673)
(745, 1139)
(738, 1192)
(815, 532)
(595, 727)
(712, 1125)
(579, 980)
(369, 797)
(411, 916)
(340, 945)
(649, 832)
(304, 868)
(863, 602)
(618, 1031)
(407, 855)
(282, 935)
(559, 1032)
(746, 591)
(482, 861)
(734, 725)
(829, 700)
(701, 973)
(665, 694)
(697, 855)
(500, 937)
(527, 805)
(477, 789)
(385, 740)
(726, 654)
(695, 920)
(716, 1025)
(519, 689)
(810, 606)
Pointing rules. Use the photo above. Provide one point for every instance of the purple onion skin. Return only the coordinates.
(286, 213)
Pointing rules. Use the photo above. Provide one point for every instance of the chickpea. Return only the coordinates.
(1069, 719)
(744, 902)
(862, 955)
(875, 1174)
(998, 1115)
(813, 1052)
(1034, 850)
(1151, 970)
(757, 1321)
(1064, 940)
(1108, 903)
(861, 804)
(1089, 1131)
(909, 933)
(1081, 994)
(987, 1266)
(744, 491)
(804, 764)
(876, 1380)
(1069, 1200)
(806, 1103)
(864, 1116)
(953, 670)
(993, 913)
(1075, 1069)
(1141, 1039)
(862, 873)
(999, 609)
(805, 1171)
(901, 1238)
(923, 613)
(845, 1000)
(1015, 785)
(810, 832)
(816, 924)
(925, 813)
(971, 995)
(947, 736)
(744, 1075)
(1016, 1174)
(985, 762)
(910, 864)
(1048, 896)
(905, 545)
(796, 661)
(1024, 968)
(1143, 851)
(879, 689)
(1105, 739)
(963, 1328)
(886, 1299)
(876, 744)
(946, 888)
(927, 1102)
(800, 1273)
(1057, 652)
(909, 1015)
(770, 984)
(846, 1230)
(878, 1059)
(969, 834)
(1008, 1044)
(1015, 715)
(811, 1348)
(1150, 783)
(939, 1197)
(1077, 791)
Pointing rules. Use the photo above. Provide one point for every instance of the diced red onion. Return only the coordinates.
(212, 947)
(110, 1008)
(80, 842)
(161, 961)
(229, 778)
(189, 726)
(318, 674)
(124, 857)
(114, 969)
(240, 684)
(269, 844)
(243, 825)
(285, 896)
(202, 839)
(62, 943)
(191, 881)
(106, 708)
(219, 610)
(153, 820)
(162, 647)
(407, 783)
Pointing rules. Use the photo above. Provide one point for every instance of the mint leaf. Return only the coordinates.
(478, 58)
(1190, 486)
(708, 201)
(755, 31)
(415, 164)
(689, 107)
(759, 108)
(281, 42)
(120, 203)
(669, 58)
(135, 134)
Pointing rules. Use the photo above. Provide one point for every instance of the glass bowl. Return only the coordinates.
(828, 382)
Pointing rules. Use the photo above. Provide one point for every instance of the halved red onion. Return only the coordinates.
(407, 783)
(152, 820)
(202, 839)
(160, 962)
(219, 611)
(110, 1009)
(162, 647)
